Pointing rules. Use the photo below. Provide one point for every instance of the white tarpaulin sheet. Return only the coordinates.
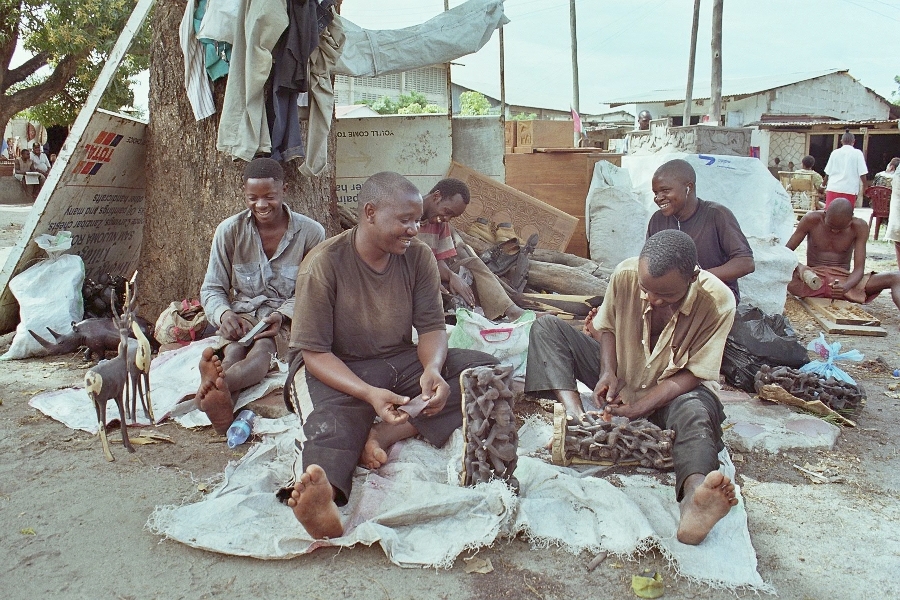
(759, 203)
(415, 510)
(459, 31)
(173, 375)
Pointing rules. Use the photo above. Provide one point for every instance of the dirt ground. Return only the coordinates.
(72, 525)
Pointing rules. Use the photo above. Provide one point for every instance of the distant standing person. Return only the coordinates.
(846, 170)
(644, 120)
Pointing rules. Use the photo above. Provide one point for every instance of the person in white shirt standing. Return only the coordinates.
(846, 170)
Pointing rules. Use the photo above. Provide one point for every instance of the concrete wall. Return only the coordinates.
(478, 143)
(837, 95)
(696, 139)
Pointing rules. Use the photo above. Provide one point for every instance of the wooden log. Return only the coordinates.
(564, 259)
(564, 280)
(347, 217)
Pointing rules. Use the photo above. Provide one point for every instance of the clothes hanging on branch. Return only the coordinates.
(196, 82)
(243, 126)
(321, 97)
(307, 19)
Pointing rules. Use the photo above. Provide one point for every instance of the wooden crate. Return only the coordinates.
(562, 180)
(544, 134)
(509, 136)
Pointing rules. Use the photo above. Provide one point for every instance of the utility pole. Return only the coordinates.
(689, 94)
(575, 95)
(715, 110)
(574, 32)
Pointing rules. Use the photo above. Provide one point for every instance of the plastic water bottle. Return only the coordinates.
(240, 430)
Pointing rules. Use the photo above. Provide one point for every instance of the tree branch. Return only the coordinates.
(23, 71)
(9, 35)
(54, 84)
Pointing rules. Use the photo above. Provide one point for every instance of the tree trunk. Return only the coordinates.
(191, 186)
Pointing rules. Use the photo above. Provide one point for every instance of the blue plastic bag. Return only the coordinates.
(830, 353)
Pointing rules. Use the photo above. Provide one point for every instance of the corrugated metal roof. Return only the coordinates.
(838, 124)
(746, 86)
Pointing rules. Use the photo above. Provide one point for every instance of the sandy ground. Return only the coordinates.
(72, 525)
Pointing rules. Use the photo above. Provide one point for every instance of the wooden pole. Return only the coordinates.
(502, 76)
(715, 110)
(573, 29)
(689, 93)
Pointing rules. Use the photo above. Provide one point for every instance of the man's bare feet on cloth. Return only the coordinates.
(704, 507)
(213, 396)
(313, 504)
(373, 455)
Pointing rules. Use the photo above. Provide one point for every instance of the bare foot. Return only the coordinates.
(218, 406)
(373, 455)
(313, 504)
(704, 507)
(210, 370)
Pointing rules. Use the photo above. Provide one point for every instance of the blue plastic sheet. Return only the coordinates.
(830, 354)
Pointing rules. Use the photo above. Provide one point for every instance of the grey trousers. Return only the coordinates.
(558, 355)
(338, 426)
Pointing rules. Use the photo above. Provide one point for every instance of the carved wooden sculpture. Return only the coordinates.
(489, 426)
(139, 373)
(106, 381)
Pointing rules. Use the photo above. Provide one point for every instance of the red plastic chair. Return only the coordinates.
(880, 200)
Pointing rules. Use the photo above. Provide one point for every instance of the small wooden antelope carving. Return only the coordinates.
(139, 373)
(106, 381)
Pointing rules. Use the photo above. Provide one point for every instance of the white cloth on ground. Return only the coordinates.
(414, 508)
(173, 375)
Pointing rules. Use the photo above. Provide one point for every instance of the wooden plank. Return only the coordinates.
(545, 134)
(501, 203)
(831, 327)
(509, 135)
(567, 198)
(843, 312)
(579, 245)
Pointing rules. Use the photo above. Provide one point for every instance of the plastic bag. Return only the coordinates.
(758, 339)
(49, 296)
(830, 353)
(508, 342)
(181, 322)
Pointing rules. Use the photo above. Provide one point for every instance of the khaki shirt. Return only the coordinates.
(241, 278)
(694, 339)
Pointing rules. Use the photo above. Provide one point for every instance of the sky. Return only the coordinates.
(629, 46)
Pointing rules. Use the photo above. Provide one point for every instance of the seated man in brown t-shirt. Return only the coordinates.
(359, 296)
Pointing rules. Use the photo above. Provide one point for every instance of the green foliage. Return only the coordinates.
(473, 104)
(524, 117)
(60, 32)
(895, 96)
(413, 103)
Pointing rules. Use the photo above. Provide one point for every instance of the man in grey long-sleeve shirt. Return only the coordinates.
(251, 277)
